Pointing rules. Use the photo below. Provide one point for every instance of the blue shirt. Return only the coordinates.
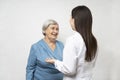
(37, 68)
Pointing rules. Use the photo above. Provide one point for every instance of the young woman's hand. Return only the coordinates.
(50, 60)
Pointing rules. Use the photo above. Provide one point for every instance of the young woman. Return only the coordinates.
(79, 54)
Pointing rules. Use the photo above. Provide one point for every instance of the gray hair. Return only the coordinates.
(47, 24)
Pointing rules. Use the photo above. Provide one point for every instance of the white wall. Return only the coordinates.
(21, 22)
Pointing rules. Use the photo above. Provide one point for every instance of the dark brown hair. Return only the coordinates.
(83, 24)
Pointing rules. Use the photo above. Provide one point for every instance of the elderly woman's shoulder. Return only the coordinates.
(59, 42)
(40, 42)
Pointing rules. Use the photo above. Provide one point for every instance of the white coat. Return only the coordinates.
(74, 65)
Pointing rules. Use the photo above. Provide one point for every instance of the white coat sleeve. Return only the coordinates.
(68, 66)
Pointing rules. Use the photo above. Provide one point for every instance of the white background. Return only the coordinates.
(20, 27)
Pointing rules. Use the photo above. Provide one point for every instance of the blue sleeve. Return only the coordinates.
(31, 64)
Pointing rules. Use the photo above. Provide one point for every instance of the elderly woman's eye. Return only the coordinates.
(57, 29)
(52, 28)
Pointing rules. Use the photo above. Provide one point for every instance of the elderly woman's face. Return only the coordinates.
(52, 32)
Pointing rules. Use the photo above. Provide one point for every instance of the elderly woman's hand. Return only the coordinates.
(50, 60)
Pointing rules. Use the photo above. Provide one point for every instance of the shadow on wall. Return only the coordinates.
(104, 65)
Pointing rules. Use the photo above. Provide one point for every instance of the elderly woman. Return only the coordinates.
(37, 68)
